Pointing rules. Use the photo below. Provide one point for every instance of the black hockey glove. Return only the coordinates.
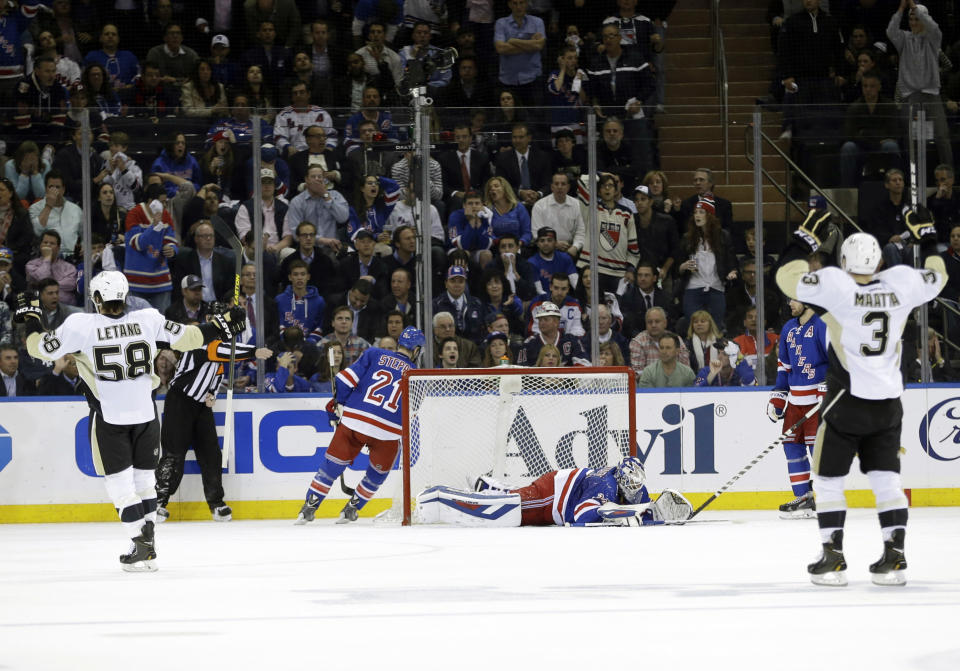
(813, 231)
(231, 323)
(920, 224)
(28, 312)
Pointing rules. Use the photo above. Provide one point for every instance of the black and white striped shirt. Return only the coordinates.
(200, 371)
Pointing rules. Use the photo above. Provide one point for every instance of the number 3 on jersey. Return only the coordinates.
(383, 379)
(881, 334)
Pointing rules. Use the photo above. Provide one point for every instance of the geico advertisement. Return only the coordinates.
(693, 441)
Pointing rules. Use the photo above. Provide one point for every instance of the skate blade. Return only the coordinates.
(798, 515)
(832, 579)
(344, 520)
(145, 566)
(889, 579)
(222, 518)
(301, 520)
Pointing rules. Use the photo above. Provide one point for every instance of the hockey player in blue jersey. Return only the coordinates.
(801, 372)
(368, 410)
(577, 496)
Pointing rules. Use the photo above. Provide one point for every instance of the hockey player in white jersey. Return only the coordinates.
(115, 351)
(866, 312)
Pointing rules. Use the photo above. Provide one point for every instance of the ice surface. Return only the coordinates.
(729, 594)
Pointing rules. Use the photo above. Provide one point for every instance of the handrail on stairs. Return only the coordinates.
(947, 306)
(748, 138)
(720, 62)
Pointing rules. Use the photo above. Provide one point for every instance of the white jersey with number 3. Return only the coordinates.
(115, 357)
(865, 321)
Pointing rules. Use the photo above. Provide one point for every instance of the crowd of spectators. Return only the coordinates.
(170, 98)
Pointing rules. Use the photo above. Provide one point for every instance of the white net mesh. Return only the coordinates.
(514, 424)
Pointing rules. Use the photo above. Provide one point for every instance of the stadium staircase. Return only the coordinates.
(691, 135)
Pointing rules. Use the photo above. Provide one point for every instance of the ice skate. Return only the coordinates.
(890, 569)
(162, 514)
(222, 513)
(801, 508)
(308, 511)
(829, 568)
(142, 556)
(348, 514)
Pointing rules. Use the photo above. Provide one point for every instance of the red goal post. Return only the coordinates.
(513, 423)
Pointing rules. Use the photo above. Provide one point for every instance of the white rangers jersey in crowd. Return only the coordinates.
(115, 357)
(291, 124)
(865, 321)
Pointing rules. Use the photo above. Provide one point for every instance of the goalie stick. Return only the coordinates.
(779, 441)
(227, 234)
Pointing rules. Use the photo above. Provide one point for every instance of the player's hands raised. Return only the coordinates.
(28, 307)
(813, 231)
(776, 404)
(920, 224)
(230, 323)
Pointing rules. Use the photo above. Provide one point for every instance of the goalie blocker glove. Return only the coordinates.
(28, 312)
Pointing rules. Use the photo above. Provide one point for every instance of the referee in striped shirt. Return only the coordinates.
(188, 420)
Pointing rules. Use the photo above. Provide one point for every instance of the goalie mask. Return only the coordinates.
(109, 285)
(631, 478)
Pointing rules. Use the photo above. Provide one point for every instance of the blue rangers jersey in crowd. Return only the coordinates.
(369, 391)
(579, 493)
(802, 359)
(571, 349)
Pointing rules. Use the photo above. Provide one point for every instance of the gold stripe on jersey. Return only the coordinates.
(95, 445)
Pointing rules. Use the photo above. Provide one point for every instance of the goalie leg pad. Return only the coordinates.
(445, 505)
(671, 506)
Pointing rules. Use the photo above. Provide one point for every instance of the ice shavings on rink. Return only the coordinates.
(265, 594)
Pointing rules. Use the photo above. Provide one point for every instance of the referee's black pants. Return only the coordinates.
(187, 422)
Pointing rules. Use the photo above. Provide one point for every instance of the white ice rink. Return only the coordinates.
(268, 595)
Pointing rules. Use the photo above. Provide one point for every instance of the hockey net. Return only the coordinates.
(512, 423)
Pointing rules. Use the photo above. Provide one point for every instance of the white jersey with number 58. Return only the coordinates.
(115, 357)
(865, 321)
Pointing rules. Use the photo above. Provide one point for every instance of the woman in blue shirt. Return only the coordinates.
(509, 216)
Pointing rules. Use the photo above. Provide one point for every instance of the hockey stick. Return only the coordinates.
(227, 234)
(772, 446)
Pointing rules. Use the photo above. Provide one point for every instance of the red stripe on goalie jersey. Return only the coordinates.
(563, 485)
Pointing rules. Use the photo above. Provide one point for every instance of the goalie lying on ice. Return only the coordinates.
(615, 495)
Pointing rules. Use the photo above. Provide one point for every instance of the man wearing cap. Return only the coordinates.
(191, 307)
(121, 66)
(325, 208)
(548, 324)
(225, 71)
(274, 211)
(656, 232)
(49, 264)
(703, 183)
(550, 261)
(560, 213)
(149, 246)
(568, 307)
(214, 268)
(467, 310)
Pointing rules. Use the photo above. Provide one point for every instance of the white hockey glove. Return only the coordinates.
(776, 405)
(732, 350)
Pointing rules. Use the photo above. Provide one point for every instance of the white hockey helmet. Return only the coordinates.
(860, 254)
(631, 478)
(548, 309)
(109, 285)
